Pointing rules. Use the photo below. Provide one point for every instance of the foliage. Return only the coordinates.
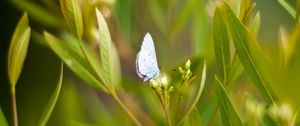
(230, 77)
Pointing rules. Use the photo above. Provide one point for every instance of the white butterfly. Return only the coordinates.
(146, 63)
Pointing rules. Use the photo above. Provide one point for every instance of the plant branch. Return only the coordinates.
(129, 113)
(14, 106)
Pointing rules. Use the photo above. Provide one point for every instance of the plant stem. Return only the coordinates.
(166, 109)
(134, 119)
(14, 106)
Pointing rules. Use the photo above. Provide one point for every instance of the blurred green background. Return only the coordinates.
(129, 20)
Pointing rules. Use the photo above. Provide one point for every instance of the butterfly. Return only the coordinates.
(146, 62)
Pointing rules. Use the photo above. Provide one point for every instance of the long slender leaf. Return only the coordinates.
(227, 111)
(72, 14)
(52, 102)
(201, 87)
(38, 13)
(75, 60)
(18, 50)
(289, 9)
(3, 121)
(109, 58)
(245, 44)
(221, 43)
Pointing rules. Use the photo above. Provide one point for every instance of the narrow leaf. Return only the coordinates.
(75, 60)
(109, 58)
(244, 43)
(183, 15)
(38, 13)
(18, 50)
(256, 24)
(289, 9)
(201, 87)
(52, 102)
(159, 14)
(236, 69)
(72, 14)
(3, 121)
(221, 43)
(227, 111)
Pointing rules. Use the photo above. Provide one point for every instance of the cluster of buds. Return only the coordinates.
(161, 84)
(186, 73)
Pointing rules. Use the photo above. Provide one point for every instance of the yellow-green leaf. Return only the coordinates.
(3, 121)
(221, 43)
(73, 17)
(75, 60)
(246, 45)
(18, 50)
(52, 102)
(109, 56)
(227, 111)
(199, 92)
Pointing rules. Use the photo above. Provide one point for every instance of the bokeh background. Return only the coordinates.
(129, 20)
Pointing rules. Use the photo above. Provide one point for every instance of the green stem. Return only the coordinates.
(134, 119)
(14, 106)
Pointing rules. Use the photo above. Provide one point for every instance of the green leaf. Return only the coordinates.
(109, 56)
(289, 9)
(227, 111)
(123, 10)
(38, 13)
(256, 24)
(18, 50)
(248, 51)
(3, 121)
(72, 14)
(52, 102)
(75, 60)
(221, 43)
(199, 92)
(236, 69)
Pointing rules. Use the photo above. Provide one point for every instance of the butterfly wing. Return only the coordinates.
(146, 62)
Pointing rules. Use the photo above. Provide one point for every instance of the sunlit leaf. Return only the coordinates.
(38, 13)
(256, 24)
(52, 102)
(227, 111)
(75, 60)
(3, 121)
(72, 14)
(18, 50)
(221, 43)
(245, 45)
(289, 9)
(109, 56)
(199, 92)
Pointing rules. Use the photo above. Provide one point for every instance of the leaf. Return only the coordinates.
(74, 59)
(3, 121)
(201, 87)
(123, 10)
(289, 9)
(248, 51)
(236, 69)
(38, 13)
(52, 102)
(72, 14)
(18, 50)
(227, 111)
(256, 24)
(221, 43)
(109, 56)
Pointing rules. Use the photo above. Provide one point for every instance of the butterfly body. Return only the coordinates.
(146, 62)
